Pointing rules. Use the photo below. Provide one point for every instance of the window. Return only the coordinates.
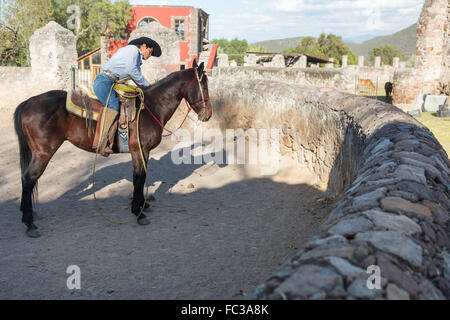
(179, 29)
(97, 58)
(145, 21)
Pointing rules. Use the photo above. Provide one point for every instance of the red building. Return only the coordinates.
(190, 24)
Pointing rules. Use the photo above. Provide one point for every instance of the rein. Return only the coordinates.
(190, 108)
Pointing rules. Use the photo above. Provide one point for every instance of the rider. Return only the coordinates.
(126, 62)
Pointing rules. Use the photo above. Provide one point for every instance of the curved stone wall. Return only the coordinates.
(389, 174)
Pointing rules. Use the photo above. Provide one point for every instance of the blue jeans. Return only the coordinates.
(102, 87)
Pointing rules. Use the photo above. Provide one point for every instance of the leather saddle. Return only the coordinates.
(85, 106)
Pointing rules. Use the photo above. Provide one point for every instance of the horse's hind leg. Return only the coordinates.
(139, 177)
(29, 179)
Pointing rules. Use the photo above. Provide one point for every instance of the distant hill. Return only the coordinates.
(404, 40)
(280, 44)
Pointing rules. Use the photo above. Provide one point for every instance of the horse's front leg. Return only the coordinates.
(139, 178)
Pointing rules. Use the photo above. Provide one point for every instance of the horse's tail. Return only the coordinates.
(25, 151)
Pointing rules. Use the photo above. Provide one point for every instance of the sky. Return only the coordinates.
(259, 20)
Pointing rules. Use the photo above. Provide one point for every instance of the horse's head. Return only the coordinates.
(197, 94)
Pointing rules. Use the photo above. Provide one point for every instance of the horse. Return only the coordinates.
(388, 87)
(42, 124)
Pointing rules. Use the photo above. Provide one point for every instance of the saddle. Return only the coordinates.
(84, 105)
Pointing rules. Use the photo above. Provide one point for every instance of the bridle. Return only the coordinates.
(203, 101)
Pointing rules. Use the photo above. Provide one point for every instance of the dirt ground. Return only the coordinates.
(215, 239)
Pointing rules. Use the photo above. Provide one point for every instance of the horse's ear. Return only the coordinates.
(194, 64)
(201, 67)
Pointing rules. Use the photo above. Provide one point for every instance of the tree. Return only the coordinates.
(326, 46)
(387, 53)
(98, 18)
(235, 48)
(333, 47)
(18, 21)
(310, 47)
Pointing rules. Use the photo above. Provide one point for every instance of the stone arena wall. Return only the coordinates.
(390, 177)
(342, 79)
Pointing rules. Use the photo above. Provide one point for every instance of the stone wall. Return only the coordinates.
(52, 52)
(432, 56)
(390, 173)
(342, 79)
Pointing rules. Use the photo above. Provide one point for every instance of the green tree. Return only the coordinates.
(98, 18)
(18, 21)
(310, 46)
(387, 53)
(332, 46)
(235, 49)
(326, 46)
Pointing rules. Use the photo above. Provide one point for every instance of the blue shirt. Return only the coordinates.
(127, 62)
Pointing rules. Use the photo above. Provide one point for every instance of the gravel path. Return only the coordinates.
(215, 239)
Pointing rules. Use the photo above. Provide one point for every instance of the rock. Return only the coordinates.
(346, 268)
(405, 195)
(359, 289)
(318, 296)
(430, 170)
(337, 250)
(429, 291)
(382, 146)
(191, 186)
(428, 230)
(369, 200)
(395, 293)
(369, 261)
(402, 206)
(392, 222)
(394, 274)
(361, 252)
(411, 173)
(395, 243)
(415, 156)
(336, 239)
(310, 280)
(446, 265)
(416, 188)
(349, 227)
(437, 210)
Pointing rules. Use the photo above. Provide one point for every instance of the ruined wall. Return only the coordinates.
(430, 49)
(445, 76)
(432, 57)
(52, 52)
(390, 173)
(342, 79)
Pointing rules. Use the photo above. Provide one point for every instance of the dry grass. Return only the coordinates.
(439, 126)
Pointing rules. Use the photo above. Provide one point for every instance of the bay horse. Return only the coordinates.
(42, 124)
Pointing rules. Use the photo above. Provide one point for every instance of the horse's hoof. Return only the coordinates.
(143, 221)
(147, 207)
(32, 232)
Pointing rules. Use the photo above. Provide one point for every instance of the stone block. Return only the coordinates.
(432, 103)
(395, 243)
